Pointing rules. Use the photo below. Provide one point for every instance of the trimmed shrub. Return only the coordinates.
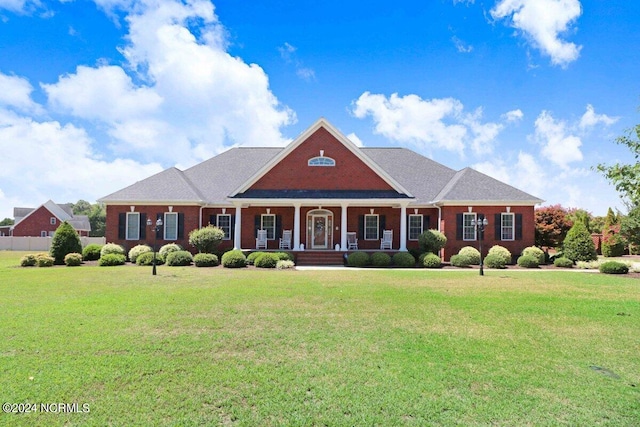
(64, 241)
(91, 252)
(110, 260)
(207, 239)
(111, 248)
(495, 260)
(234, 259)
(563, 262)
(205, 260)
(44, 260)
(251, 258)
(403, 259)
(165, 250)
(380, 259)
(528, 261)
(146, 259)
(471, 253)
(179, 259)
(432, 261)
(29, 260)
(432, 241)
(536, 252)
(461, 261)
(285, 256)
(612, 243)
(284, 264)
(138, 250)
(613, 267)
(266, 260)
(578, 245)
(73, 259)
(502, 252)
(358, 259)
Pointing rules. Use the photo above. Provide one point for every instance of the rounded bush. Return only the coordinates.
(110, 260)
(528, 261)
(432, 261)
(146, 259)
(73, 259)
(29, 260)
(403, 259)
(432, 241)
(495, 260)
(471, 253)
(179, 259)
(563, 262)
(91, 252)
(206, 239)
(44, 260)
(613, 267)
(358, 259)
(578, 245)
(461, 261)
(64, 241)
(234, 259)
(205, 260)
(502, 252)
(111, 248)
(266, 260)
(284, 264)
(285, 256)
(165, 250)
(137, 250)
(251, 258)
(380, 259)
(535, 252)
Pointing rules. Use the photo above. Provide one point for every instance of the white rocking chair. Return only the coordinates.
(285, 240)
(352, 241)
(261, 240)
(387, 239)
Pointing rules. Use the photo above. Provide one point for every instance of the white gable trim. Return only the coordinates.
(54, 209)
(322, 123)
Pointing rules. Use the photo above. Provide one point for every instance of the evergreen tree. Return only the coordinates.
(578, 245)
(64, 241)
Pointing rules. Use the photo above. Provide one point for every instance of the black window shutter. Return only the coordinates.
(497, 223)
(459, 219)
(143, 226)
(159, 230)
(257, 222)
(518, 226)
(233, 226)
(212, 219)
(278, 226)
(360, 226)
(122, 225)
(180, 226)
(382, 224)
(425, 223)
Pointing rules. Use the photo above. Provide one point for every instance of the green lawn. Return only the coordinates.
(264, 347)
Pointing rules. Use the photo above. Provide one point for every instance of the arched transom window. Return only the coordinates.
(321, 161)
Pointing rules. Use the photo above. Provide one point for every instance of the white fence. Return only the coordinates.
(9, 243)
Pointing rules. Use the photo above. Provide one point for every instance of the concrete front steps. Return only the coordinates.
(309, 258)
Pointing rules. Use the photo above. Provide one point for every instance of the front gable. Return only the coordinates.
(321, 159)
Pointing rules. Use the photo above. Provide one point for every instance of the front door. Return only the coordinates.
(319, 238)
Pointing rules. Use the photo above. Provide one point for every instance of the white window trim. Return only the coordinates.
(421, 225)
(475, 217)
(53, 220)
(321, 161)
(513, 226)
(137, 216)
(262, 227)
(166, 223)
(43, 234)
(218, 223)
(377, 226)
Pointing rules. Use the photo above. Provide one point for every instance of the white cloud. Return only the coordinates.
(288, 53)
(543, 22)
(524, 173)
(354, 138)
(590, 119)
(20, 6)
(461, 46)
(513, 116)
(558, 145)
(15, 92)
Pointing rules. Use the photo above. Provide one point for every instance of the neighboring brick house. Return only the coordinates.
(322, 186)
(44, 220)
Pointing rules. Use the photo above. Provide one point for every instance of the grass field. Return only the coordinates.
(264, 347)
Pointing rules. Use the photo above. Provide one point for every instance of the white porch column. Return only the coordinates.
(343, 226)
(296, 227)
(237, 239)
(403, 227)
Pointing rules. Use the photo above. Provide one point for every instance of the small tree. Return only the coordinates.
(65, 241)
(630, 229)
(552, 225)
(578, 245)
(431, 241)
(612, 242)
(206, 239)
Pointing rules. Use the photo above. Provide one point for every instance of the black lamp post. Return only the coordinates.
(480, 224)
(155, 242)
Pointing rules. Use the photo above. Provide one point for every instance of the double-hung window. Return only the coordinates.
(170, 226)
(468, 229)
(133, 226)
(507, 223)
(371, 228)
(53, 220)
(268, 222)
(224, 223)
(415, 226)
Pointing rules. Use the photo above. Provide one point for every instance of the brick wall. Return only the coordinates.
(34, 224)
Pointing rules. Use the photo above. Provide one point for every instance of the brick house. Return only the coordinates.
(321, 187)
(45, 219)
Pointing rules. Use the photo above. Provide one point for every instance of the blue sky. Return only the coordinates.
(97, 95)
